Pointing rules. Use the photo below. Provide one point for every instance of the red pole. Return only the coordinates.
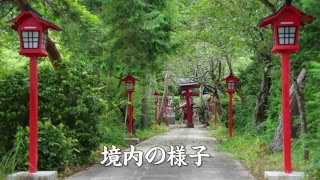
(286, 124)
(33, 115)
(156, 113)
(230, 114)
(209, 118)
(189, 113)
(130, 109)
(215, 115)
(182, 115)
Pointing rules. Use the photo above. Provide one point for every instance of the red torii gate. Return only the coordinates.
(186, 87)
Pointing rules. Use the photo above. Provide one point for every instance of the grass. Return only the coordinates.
(11, 160)
(253, 152)
(148, 133)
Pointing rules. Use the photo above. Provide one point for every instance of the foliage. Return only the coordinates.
(146, 134)
(140, 32)
(55, 150)
(73, 101)
(221, 132)
(101, 41)
(73, 104)
(228, 28)
(85, 94)
(253, 152)
(14, 158)
(13, 108)
(312, 139)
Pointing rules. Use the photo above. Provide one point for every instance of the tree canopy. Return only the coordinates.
(81, 96)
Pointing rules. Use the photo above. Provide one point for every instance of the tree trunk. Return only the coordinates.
(262, 103)
(302, 117)
(53, 53)
(161, 114)
(276, 144)
(144, 109)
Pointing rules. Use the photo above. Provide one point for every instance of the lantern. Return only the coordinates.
(231, 82)
(130, 82)
(33, 33)
(129, 85)
(286, 27)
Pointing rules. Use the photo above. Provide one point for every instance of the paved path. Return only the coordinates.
(218, 166)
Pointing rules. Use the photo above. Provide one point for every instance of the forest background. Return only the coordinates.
(82, 101)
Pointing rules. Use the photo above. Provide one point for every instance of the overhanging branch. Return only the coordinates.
(269, 5)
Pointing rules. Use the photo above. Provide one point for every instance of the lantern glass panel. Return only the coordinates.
(129, 85)
(287, 35)
(30, 39)
(230, 85)
(44, 40)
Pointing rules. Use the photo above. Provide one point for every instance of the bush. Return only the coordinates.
(17, 156)
(55, 150)
(66, 95)
(13, 108)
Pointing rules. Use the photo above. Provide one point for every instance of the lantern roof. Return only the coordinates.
(35, 15)
(129, 78)
(188, 83)
(304, 19)
(155, 93)
(231, 77)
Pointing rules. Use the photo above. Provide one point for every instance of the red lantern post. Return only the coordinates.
(33, 33)
(156, 101)
(286, 27)
(209, 110)
(214, 96)
(130, 83)
(231, 82)
(189, 110)
(182, 115)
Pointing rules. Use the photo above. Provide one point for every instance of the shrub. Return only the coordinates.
(55, 150)
(13, 108)
(14, 158)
